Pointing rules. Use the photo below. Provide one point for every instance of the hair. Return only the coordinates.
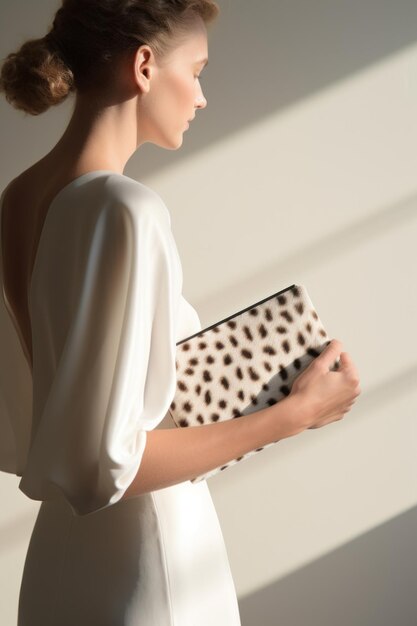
(86, 40)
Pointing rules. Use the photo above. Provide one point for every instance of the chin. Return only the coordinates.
(168, 144)
(175, 146)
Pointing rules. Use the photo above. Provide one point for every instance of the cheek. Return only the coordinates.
(172, 102)
(181, 92)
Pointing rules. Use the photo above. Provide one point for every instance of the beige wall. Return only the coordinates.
(302, 169)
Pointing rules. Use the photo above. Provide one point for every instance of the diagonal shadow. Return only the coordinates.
(266, 56)
(368, 582)
(315, 254)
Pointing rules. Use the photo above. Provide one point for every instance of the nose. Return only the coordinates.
(200, 102)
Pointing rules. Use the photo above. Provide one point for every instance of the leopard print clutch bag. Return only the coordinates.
(246, 362)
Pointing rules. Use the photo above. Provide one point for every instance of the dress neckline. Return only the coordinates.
(77, 182)
(74, 181)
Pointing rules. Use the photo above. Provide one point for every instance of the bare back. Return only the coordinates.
(24, 209)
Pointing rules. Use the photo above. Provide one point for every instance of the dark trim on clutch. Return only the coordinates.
(203, 330)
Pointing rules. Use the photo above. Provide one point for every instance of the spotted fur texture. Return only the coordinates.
(246, 362)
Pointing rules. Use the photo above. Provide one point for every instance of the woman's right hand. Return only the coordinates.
(326, 395)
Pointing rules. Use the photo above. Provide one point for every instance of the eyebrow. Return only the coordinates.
(205, 61)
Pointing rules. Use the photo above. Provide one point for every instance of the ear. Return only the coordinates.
(144, 67)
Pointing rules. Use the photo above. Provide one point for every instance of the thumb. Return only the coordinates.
(330, 355)
(343, 362)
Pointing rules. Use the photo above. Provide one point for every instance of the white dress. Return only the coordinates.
(106, 310)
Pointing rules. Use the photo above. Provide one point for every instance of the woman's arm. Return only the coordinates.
(318, 397)
(173, 455)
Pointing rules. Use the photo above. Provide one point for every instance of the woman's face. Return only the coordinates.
(171, 91)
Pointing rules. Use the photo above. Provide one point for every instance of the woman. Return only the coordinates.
(92, 283)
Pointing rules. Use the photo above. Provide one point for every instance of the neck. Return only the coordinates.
(99, 135)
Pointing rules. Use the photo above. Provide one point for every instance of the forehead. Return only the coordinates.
(193, 45)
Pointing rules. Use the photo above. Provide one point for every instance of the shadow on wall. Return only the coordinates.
(316, 254)
(369, 582)
(264, 57)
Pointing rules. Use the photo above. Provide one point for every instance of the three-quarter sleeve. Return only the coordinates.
(113, 377)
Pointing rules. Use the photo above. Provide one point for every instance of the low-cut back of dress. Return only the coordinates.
(106, 310)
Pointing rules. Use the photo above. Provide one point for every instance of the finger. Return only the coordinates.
(348, 364)
(330, 353)
(346, 361)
